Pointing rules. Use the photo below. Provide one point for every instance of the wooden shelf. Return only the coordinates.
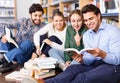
(61, 4)
(56, 3)
(110, 14)
(69, 1)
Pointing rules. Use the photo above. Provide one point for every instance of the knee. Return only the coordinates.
(52, 37)
(55, 39)
(52, 52)
(28, 42)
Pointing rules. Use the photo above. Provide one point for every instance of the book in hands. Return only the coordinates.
(9, 38)
(76, 51)
(42, 46)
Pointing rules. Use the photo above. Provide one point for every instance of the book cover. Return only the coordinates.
(45, 75)
(78, 52)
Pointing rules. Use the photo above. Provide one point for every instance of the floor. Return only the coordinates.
(2, 76)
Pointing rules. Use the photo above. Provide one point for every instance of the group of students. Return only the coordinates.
(86, 30)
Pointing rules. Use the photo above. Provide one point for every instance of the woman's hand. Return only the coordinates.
(67, 63)
(34, 56)
(77, 57)
(38, 52)
(47, 41)
(77, 38)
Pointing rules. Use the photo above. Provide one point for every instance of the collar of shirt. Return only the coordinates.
(102, 27)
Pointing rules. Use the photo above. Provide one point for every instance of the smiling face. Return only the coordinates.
(36, 17)
(58, 22)
(92, 20)
(76, 21)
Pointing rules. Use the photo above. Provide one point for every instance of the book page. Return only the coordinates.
(8, 35)
(84, 50)
(72, 50)
(78, 52)
(15, 75)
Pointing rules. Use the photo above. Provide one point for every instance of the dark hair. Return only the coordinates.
(56, 12)
(76, 11)
(35, 7)
(91, 8)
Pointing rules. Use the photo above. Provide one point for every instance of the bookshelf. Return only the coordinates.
(110, 10)
(7, 10)
(63, 5)
(67, 5)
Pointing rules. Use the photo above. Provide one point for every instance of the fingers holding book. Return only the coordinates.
(77, 57)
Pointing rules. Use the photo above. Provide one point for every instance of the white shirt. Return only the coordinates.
(51, 31)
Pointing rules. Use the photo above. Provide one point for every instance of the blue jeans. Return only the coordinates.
(21, 54)
(6, 46)
(59, 55)
(95, 73)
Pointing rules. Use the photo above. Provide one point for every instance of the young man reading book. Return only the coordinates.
(26, 27)
(105, 58)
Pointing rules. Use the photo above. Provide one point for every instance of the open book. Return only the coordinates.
(14, 76)
(78, 52)
(9, 38)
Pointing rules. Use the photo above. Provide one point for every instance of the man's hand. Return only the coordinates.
(4, 39)
(97, 52)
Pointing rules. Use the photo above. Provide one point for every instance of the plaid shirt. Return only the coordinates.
(25, 29)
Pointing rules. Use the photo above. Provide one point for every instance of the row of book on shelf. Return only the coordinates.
(106, 6)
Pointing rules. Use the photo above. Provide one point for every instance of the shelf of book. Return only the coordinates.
(7, 10)
(110, 14)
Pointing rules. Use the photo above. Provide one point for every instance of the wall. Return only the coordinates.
(22, 7)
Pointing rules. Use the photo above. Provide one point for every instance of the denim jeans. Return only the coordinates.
(59, 55)
(21, 54)
(4, 46)
(95, 73)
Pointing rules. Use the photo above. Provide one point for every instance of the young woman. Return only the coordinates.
(73, 40)
(53, 35)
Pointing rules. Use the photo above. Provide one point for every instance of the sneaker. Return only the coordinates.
(3, 60)
(7, 67)
(62, 66)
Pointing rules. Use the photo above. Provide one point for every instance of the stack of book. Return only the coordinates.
(38, 68)
(41, 63)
